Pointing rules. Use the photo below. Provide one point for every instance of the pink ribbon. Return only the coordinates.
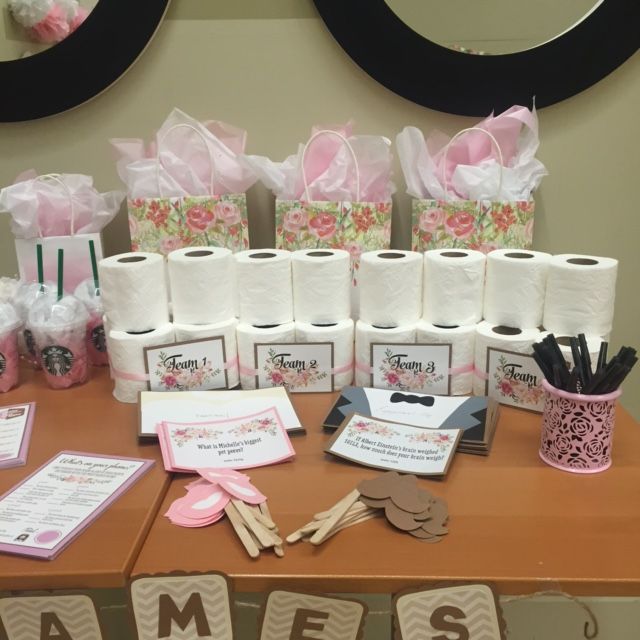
(143, 377)
(344, 369)
(483, 375)
(365, 368)
(246, 371)
(231, 364)
(464, 368)
(124, 375)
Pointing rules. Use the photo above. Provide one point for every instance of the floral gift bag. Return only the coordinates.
(475, 190)
(334, 193)
(189, 189)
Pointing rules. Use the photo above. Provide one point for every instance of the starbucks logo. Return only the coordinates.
(29, 342)
(57, 361)
(3, 363)
(98, 339)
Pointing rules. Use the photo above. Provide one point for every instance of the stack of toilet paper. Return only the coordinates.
(134, 296)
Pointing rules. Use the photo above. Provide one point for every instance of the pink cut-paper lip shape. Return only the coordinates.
(200, 482)
(176, 518)
(202, 502)
(216, 475)
(243, 490)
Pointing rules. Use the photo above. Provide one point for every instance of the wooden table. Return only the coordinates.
(514, 520)
(88, 419)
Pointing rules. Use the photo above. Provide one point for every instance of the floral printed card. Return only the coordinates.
(394, 446)
(304, 368)
(194, 365)
(514, 379)
(46, 511)
(244, 442)
(411, 367)
(16, 422)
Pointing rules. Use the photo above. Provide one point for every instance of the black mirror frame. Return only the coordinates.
(397, 57)
(83, 65)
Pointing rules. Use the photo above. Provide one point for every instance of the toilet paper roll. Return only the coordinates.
(341, 335)
(126, 355)
(321, 285)
(499, 337)
(265, 294)
(462, 340)
(390, 284)
(201, 280)
(227, 330)
(453, 286)
(134, 291)
(580, 295)
(248, 336)
(365, 335)
(515, 287)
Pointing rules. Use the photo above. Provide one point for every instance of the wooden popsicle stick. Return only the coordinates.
(266, 536)
(356, 506)
(303, 531)
(263, 507)
(354, 516)
(337, 515)
(241, 530)
(255, 540)
(363, 518)
(264, 520)
(329, 512)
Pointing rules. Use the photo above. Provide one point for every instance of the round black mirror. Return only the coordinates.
(83, 65)
(457, 82)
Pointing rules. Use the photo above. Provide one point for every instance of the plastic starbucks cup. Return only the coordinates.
(25, 297)
(10, 324)
(59, 328)
(87, 293)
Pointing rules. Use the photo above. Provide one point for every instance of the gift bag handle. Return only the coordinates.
(346, 144)
(495, 144)
(55, 177)
(184, 125)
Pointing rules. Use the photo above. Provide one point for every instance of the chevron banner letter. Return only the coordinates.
(300, 616)
(63, 617)
(465, 612)
(182, 607)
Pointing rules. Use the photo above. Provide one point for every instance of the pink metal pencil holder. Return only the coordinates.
(577, 430)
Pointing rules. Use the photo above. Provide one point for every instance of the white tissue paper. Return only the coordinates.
(453, 286)
(341, 334)
(472, 170)
(263, 281)
(248, 336)
(134, 291)
(462, 340)
(180, 161)
(202, 285)
(65, 205)
(390, 284)
(321, 285)
(226, 329)
(515, 287)
(580, 296)
(330, 169)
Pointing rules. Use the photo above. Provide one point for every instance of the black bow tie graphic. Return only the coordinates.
(426, 401)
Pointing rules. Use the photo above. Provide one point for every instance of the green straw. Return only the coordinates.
(60, 272)
(40, 267)
(94, 267)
